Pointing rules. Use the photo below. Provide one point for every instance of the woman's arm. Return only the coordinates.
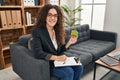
(71, 41)
(58, 58)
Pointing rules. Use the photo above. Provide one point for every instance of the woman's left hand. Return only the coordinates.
(72, 40)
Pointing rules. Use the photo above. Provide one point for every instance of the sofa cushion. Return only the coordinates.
(85, 57)
(97, 48)
(83, 32)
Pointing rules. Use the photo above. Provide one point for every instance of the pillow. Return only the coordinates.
(30, 47)
(30, 43)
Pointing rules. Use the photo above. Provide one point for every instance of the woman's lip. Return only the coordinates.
(52, 21)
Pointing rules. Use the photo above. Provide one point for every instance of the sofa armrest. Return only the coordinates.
(26, 66)
(103, 35)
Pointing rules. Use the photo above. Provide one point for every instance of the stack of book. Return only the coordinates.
(30, 2)
(54, 2)
(10, 19)
(112, 58)
(115, 55)
(30, 19)
(109, 61)
(9, 2)
(9, 36)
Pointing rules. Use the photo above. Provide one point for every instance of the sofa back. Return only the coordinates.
(83, 32)
(24, 40)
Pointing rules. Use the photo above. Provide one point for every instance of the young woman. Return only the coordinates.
(48, 42)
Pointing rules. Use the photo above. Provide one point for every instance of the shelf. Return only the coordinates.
(8, 65)
(6, 48)
(13, 24)
(29, 25)
(10, 28)
(8, 56)
(10, 7)
(32, 6)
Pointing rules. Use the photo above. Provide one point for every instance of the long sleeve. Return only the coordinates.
(38, 48)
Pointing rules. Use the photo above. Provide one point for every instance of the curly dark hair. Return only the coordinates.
(59, 27)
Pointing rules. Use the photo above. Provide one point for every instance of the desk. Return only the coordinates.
(112, 68)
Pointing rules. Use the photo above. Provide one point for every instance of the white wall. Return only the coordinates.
(112, 18)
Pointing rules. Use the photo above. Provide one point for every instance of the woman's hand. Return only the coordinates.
(72, 40)
(58, 58)
(61, 58)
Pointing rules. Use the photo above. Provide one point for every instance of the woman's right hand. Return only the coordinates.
(58, 58)
(61, 58)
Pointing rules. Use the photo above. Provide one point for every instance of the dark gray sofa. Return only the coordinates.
(91, 45)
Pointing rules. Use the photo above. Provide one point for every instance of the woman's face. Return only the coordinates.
(51, 19)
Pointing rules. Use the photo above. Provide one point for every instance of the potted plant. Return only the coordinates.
(69, 15)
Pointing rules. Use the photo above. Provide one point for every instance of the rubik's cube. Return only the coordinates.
(74, 33)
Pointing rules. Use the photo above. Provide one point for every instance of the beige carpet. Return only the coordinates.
(8, 74)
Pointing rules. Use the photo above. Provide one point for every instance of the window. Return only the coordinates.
(93, 13)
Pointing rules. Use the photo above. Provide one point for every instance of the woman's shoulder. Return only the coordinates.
(38, 29)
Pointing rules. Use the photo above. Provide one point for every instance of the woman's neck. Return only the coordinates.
(49, 27)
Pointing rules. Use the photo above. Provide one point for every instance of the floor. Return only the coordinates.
(8, 74)
(99, 73)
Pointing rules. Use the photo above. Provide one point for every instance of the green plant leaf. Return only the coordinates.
(69, 15)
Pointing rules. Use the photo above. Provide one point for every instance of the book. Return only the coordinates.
(28, 18)
(115, 55)
(36, 2)
(109, 61)
(54, 2)
(29, 2)
(3, 20)
(19, 19)
(1, 2)
(14, 18)
(25, 2)
(71, 61)
(32, 3)
(9, 18)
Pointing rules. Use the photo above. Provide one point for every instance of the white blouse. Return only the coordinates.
(54, 41)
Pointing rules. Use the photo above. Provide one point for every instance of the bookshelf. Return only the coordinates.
(17, 17)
